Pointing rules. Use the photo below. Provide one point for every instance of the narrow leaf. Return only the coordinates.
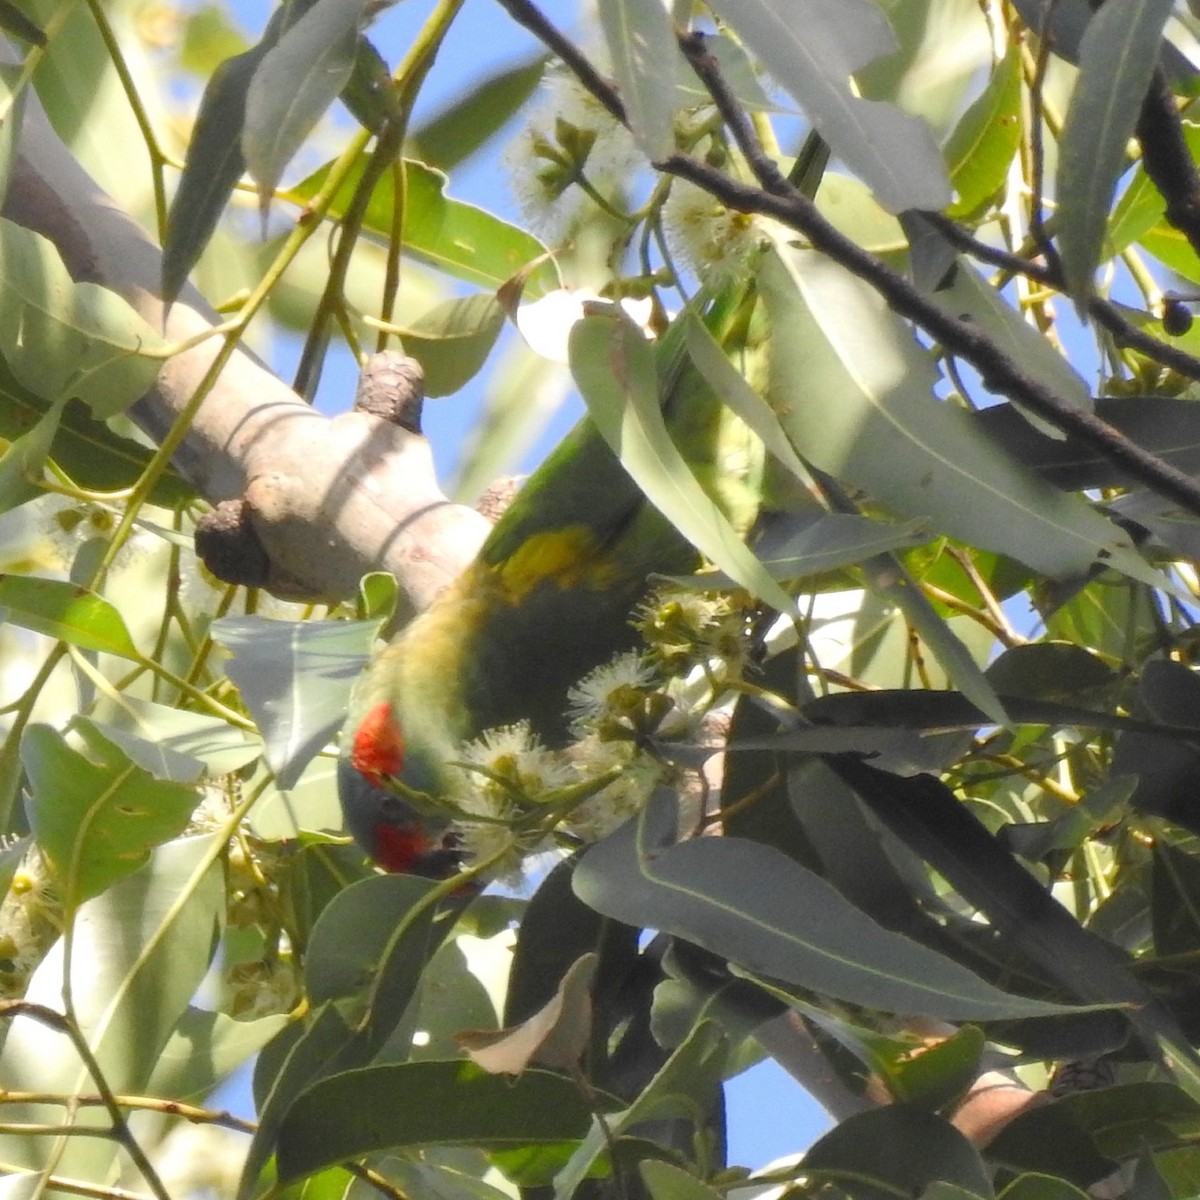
(214, 164)
(424, 1104)
(645, 59)
(297, 80)
(455, 133)
(1117, 57)
(811, 47)
(295, 678)
(67, 612)
(980, 149)
(615, 369)
(850, 379)
(464, 241)
(753, 905)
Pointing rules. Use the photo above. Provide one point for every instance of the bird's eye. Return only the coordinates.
(394, 811)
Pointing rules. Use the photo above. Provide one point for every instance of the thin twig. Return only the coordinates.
(121, 1133)
(775, 197)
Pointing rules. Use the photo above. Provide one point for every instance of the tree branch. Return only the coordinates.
(327, 499)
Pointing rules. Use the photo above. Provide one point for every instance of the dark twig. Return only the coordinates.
(1104, 311)
(120, 1131)
(775, 197)
(778, 199)
(530, 17)
(1167, 159)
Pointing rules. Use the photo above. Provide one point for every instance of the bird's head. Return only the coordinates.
(394, 833)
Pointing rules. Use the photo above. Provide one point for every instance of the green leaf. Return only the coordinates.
(1117, 57)
(980, 149)
(1175, 907)
(758, 908)
(298, 78)
(811, 54)
(815, 543)
(459, 239)
(934, 1076)
(138, 954)
(1168, 426)
(214, 164)
(66, 612)
(454, 134)
(14, 21)
(683, 1088)
(424, 1104)
(61, 338)
(1141, 206)
(924, 814)
(848, 379)
(896, 1150)
(1032, 1186)
(452, 340)
(23, 463)
(645, 59)
(615, 369)
(668, 1182)
(295, 678)
(369, 946)
(86, 449)
(205, 1048)
(973, 297)
(221, 747)
(721, 375)
(95, 813)
(285, 1068)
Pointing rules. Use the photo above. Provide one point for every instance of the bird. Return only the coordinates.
(550, 597)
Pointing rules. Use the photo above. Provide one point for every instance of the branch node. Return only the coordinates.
(229, 547)
(392, 386)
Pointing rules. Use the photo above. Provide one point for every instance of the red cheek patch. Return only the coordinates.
(378, 750)
(399, 848)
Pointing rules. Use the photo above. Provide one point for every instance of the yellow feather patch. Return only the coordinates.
(567, 557)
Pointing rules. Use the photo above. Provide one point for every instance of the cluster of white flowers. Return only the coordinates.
(685, 630)
(569, 135)
(717, 244)
(30, 917)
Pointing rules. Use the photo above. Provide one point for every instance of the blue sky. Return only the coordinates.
(769, 1114)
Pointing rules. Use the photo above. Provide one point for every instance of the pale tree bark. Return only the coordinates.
(318, 501)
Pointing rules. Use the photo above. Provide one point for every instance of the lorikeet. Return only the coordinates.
(549, 598)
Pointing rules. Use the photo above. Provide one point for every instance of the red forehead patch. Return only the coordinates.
(378, 750)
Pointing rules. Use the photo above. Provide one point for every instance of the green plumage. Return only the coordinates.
(549, 598)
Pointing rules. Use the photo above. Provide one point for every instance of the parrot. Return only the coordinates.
(550, 596)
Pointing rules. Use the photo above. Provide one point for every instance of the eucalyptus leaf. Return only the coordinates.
(751, 904)
(214, 163)
(615, 368)
(1117, 57)
(452, 340)
(424, 1104)
(298, 78)
(645, 58)
(295, 678)
(811, 47)
(458, 238)
(95, 813)
(138, 954)
(67, 612)
(61, 338)
(851, 379)
(980, 149)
